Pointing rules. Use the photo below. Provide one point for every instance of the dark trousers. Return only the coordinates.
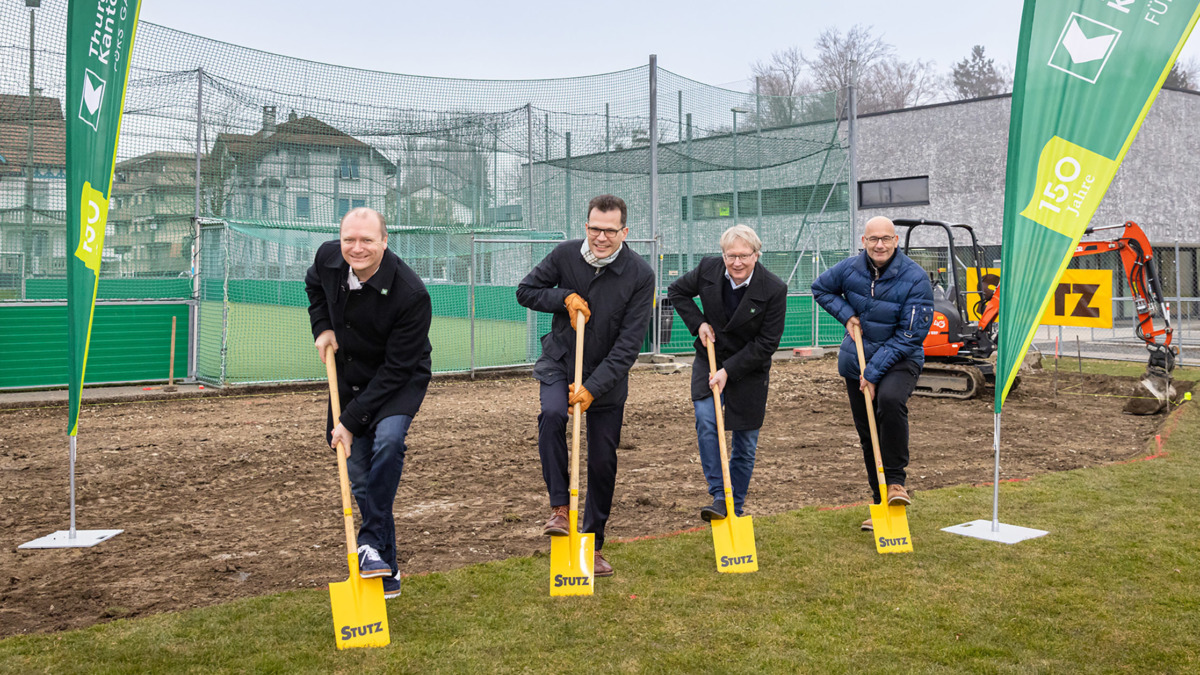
(603, 436)
(891, 419)
(374, 466)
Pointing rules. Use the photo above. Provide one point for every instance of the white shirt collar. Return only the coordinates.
(352, 281)
(741, 285)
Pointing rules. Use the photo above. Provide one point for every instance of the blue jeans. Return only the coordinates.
(741, 455)
(375, 463)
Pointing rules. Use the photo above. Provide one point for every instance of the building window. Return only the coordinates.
(786, 201)
(895, 192)
(298, 163)
(357, 203)
(343, 207)
(265, 212)
(350, 167)
(249, 206)
(302, 208)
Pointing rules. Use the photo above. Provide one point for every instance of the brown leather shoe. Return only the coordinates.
(898, 496)
(600, 566)
(868, 526)
(557, 525)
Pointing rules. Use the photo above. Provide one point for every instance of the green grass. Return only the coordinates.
(1114, 587)
(274, 342)
(1070, 364)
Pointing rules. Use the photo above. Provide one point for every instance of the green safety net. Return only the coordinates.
(272, 150)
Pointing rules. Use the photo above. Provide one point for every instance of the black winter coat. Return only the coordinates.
(745, 342)
(620, 297)
(383, 358)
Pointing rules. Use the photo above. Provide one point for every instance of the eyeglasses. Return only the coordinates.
(603, 231)
(881, 240)
(738, 258)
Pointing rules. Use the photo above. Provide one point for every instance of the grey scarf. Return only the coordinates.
(598, 262)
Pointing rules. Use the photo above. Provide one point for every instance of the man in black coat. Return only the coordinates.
(614, 288)
(745, 306)
(375, 313)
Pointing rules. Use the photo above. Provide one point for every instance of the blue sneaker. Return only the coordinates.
(370, 565)
(391, 587)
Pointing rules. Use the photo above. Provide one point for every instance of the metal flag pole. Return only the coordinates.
(994, 530)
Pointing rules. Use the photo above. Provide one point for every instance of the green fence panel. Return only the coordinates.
(129, 343)
(114, 289)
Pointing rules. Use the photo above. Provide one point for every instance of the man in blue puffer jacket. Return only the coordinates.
(888, 295)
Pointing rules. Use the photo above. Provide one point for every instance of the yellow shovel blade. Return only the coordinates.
(571, 570)
(733, 544)
(359, 612)
(891, 529)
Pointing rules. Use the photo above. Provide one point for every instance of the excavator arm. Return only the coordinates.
(1137, 259)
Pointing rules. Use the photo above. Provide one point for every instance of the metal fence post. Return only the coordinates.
(655, 320)
(471, 304)
(194, 308)
(224, 302)
(1178, 293)
(852, 140)
(758, 146)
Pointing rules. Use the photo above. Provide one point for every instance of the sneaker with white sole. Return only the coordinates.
(391, 587)
(370, 565)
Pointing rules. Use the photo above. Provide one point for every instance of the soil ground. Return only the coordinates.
(231, 496)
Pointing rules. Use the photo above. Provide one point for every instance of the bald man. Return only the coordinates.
(888, 296)
(375, 313)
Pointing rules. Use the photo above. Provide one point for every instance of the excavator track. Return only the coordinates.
(950, 380)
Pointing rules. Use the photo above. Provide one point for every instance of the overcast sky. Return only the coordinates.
(713, 42)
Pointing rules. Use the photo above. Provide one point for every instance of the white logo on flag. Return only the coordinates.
(93, 98)
(1084, 47)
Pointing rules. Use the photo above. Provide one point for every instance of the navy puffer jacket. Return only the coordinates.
(895, 311)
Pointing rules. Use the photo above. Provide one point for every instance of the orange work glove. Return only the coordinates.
(576, 304)
(583, 398)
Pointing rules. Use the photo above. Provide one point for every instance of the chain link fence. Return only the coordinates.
(233, 163)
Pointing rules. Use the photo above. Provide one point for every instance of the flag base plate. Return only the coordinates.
(1004, 534)
(63, 539)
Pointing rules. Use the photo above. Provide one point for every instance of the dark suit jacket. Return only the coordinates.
(382, 330)
(745, 342)
(620, 297)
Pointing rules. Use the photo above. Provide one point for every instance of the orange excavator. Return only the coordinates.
(957, 349)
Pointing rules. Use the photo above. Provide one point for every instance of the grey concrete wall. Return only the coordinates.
(962, 147)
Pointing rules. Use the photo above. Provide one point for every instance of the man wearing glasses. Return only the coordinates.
(745, 306)
(888, 296)
(614, 288)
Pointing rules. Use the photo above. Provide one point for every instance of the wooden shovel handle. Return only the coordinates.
(343, 476)
(712, 369)
(575, 422)
(856, 333)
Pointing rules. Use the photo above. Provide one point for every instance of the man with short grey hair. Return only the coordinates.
(745, 306)
(375, 313)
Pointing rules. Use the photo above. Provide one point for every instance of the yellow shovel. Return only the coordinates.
(571, 561)
(733, 535)
(359, 610)
(890, 522)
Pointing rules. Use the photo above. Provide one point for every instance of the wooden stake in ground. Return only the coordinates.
(171, 366)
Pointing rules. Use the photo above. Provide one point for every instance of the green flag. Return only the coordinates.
(99, 44)
(1087, 72)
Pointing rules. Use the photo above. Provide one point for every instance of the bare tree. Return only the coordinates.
(895, 84)
(781, 80)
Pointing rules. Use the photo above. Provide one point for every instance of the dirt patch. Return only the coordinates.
(228, 497)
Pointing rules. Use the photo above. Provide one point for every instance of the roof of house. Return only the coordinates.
(49, 145)
(302, 131)
(15, 108)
